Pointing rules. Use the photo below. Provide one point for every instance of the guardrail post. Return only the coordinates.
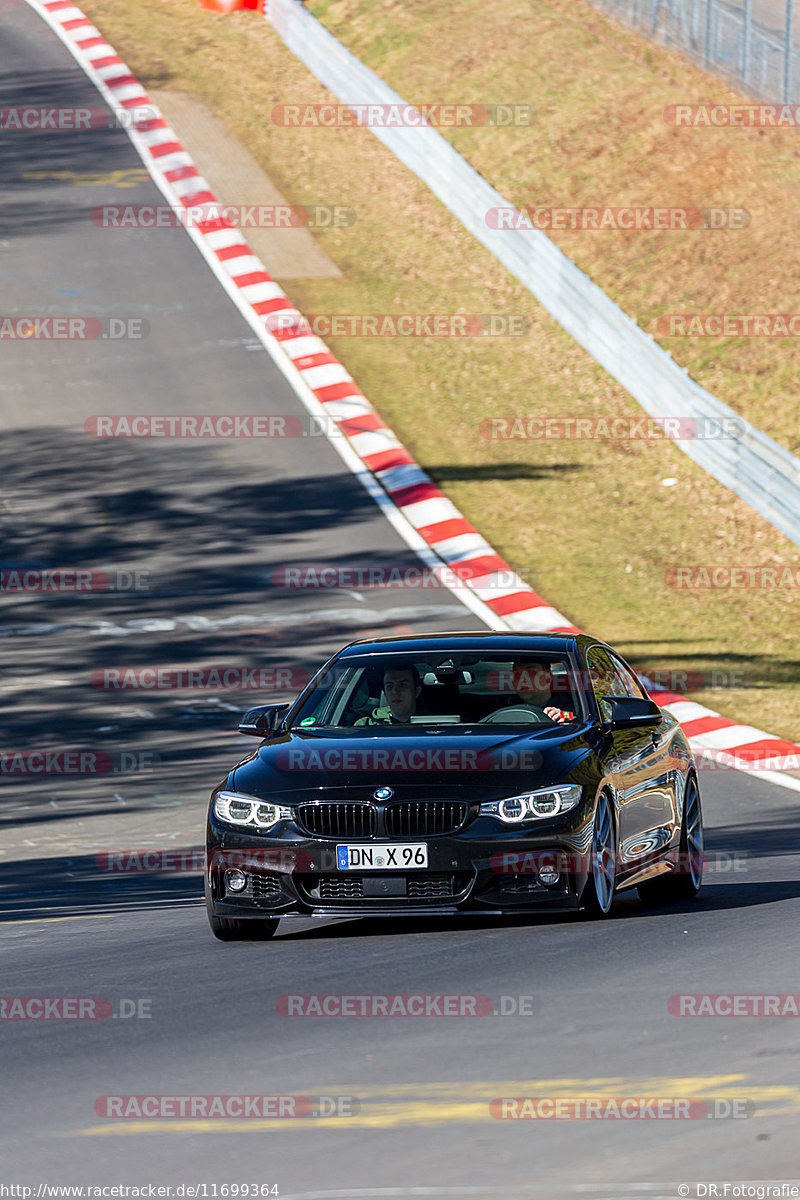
(707, 59)
(747, 19)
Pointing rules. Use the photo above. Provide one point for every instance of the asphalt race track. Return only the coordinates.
(207, 524)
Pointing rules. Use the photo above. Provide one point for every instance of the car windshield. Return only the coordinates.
(448, 689)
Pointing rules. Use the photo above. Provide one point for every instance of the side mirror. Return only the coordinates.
(264, 720)
(625, 712)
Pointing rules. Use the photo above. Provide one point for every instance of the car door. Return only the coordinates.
(639, 761)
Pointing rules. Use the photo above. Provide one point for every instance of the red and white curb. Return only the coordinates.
(720, 742)
(419, 511)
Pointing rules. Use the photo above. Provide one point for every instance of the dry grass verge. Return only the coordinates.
(589, 523)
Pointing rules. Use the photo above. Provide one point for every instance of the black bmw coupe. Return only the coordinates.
(474, 773)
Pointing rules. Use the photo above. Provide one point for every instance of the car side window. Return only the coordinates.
(624, 677)
(610, 679)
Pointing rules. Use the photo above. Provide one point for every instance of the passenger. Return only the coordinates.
(401, 686)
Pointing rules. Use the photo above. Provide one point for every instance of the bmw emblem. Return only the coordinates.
(383, 794)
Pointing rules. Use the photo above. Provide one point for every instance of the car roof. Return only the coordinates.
(506, 642)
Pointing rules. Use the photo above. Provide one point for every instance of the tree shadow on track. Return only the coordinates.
(100, 505)
(710, 673)
(87, 884)
(719, 897)
(769, 837)
(198, 533)
(489, 472)
(201, 532)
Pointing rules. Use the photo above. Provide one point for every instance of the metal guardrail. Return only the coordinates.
(752, 465)
(751, 41)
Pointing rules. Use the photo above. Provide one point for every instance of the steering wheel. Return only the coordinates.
(518, 714)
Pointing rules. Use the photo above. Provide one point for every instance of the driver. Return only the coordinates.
(533, 683)
(401, 686)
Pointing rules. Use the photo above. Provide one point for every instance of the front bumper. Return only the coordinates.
(483, 870)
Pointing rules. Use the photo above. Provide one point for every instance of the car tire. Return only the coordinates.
(601, 887)
(685, 883)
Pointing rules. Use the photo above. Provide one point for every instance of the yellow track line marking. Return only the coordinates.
(437, 1104)
(124, 177)
(50, 920)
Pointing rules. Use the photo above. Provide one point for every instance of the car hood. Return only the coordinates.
(477, 764)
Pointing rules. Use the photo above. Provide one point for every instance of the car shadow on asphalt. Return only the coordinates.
(105, 883)
(712, 899)
(166, 875)
(39, 889)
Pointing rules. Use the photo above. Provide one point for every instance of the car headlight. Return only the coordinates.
(548, 802)
(246, 810)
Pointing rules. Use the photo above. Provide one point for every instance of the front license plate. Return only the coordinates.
(401, 856)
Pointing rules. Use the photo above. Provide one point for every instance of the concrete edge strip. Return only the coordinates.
(430, 524)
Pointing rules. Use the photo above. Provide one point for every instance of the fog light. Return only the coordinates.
(235, 881)
(548, 876)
